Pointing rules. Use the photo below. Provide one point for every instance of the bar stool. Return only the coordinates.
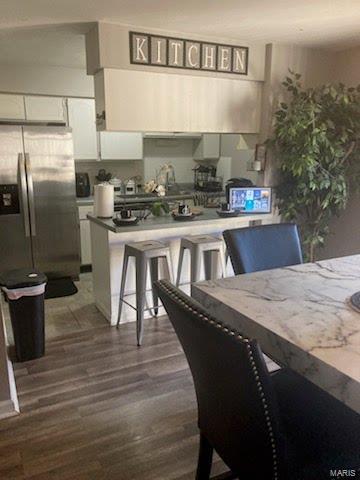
(144, 252)
(206, 246)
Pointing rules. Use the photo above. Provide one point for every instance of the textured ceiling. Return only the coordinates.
(330, 23)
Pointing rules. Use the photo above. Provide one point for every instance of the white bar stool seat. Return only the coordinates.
(202, 247)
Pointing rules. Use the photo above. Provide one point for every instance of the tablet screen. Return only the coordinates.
(250, 199)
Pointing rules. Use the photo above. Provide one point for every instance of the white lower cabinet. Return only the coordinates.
(85, 240)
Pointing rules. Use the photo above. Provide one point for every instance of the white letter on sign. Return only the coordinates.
(193, 48)
(209, 57)
(158, 60)
(224, 59)
(140, 55)
(239, 60)
(177, 46)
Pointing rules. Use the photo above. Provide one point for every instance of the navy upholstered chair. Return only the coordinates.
(264, 426)
(263, 247)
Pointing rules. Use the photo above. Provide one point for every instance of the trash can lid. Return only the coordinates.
(21, 278)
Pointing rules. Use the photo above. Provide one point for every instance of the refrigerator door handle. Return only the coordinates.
(24, 195)
(31, 195)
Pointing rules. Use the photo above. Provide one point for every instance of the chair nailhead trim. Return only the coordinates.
(245, 340)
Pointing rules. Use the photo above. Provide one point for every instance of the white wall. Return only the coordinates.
(344, 238)
(123, 169)
(241, 153)
(314, 65)
(346, 66)
(178, 152)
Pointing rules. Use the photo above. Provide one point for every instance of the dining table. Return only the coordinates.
(301, 316)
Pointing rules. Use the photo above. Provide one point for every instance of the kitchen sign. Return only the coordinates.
(159, 51)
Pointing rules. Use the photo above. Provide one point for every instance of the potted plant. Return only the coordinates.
(316, 143)
(160, 208)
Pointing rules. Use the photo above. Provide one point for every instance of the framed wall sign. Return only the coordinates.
(160, 51)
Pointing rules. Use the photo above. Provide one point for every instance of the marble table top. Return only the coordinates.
(301, 317)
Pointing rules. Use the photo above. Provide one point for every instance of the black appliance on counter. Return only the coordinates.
(82, 185)
(205, 179)
(236, 182)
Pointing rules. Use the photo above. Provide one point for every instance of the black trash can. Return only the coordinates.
(25, 290)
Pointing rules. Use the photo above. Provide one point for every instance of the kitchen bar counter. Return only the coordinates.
(167, 222)
(107, 246)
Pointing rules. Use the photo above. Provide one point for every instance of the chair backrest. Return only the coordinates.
(263, 247)
(236, 404)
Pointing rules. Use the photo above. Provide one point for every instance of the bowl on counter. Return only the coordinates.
(181, 217)
(229, 214)
(126, 222)
(125, 218)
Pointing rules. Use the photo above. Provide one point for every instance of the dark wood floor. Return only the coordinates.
(97, 407)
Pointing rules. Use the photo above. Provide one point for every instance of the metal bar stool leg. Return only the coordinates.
(181, 259)
(141, 270)
(122, 286)
(168, 266)
(195, 264)
(154, 274)
(223, 260)
(208, 264)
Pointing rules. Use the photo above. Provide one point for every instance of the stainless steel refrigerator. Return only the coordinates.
(39, 224)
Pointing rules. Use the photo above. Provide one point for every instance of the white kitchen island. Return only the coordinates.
(107, 247)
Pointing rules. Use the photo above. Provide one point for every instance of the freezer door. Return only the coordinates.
(15, 240)
(53, 212)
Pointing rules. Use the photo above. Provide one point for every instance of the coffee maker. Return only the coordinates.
(205, 179)
(82, 185)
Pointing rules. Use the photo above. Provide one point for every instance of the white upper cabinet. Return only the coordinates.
(45, 109)
(207, 147)
(12, 107)
(121, 146)
(183, 103)
(82, 120)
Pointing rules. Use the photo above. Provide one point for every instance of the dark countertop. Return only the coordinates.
(164, 222)
(149, 198)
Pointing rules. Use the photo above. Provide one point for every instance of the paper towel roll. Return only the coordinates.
(104, 200)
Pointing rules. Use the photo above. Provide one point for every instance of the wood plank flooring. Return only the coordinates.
(98, 407)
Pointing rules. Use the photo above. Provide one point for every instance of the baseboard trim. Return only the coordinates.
(7, 409)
